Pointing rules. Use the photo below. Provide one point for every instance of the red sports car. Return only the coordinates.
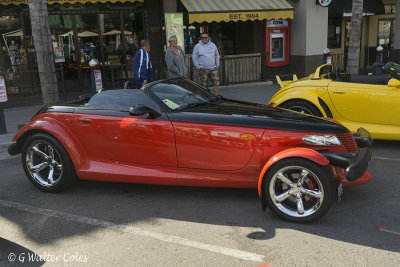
(173, 132)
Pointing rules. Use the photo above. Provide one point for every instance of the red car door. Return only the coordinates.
(109, 133)
(215, 147)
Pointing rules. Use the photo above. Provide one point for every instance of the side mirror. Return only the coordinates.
(139, 110)
(394, 83)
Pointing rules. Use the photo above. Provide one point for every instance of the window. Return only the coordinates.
(390, 9)
(121, 100)
(334, 32)
(179, 94)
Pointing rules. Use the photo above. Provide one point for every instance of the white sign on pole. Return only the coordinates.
(97, 80)
(3, 91)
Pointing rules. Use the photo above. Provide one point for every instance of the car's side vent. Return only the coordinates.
(348, 141)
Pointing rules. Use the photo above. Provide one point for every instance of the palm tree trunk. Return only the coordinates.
(353, 60)
(44, 50)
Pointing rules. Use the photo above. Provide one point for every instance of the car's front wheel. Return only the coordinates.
(47, 163)
(298, 190)
(302, 106)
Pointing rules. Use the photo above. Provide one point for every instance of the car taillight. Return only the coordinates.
(272, 104)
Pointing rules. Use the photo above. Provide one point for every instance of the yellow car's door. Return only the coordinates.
(368, 103)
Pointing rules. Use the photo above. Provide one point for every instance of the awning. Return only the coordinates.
(114, 32)
(80, 34)
(50, 2)
(235, 10)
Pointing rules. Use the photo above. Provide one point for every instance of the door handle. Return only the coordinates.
(84, 122)
(339, 93)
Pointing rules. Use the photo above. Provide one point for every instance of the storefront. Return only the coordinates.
(238, 28)
(81, 30)
(377, 29)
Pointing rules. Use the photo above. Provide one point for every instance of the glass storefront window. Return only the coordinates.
(88, 37)
(13, 54)
(334, 32)
(385, 33)
(133, 27)
(111, 24)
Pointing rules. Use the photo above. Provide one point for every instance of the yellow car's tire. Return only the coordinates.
(302, 106)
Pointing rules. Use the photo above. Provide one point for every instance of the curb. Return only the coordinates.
(267, 83)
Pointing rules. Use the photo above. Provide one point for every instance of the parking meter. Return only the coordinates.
(327, 56)
(95, 76)
(379, 60)
(3, 98)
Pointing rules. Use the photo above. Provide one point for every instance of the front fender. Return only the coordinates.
(295, 152)
(58, 130)
(296, 93)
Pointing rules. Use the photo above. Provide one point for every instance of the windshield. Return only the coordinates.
(181, 93)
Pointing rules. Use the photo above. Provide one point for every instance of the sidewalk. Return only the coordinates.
(18, 116)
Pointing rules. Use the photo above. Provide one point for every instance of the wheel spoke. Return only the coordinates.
(283, 178)
(282, 197)
(58, 166)
(39, 167)
(51, 151)
(313, 193)
(300, 207)
(50, 176)
(303, 176)
(37, 151)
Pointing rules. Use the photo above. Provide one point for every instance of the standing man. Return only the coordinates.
(14, 54)
(206, 60)
(142, 69)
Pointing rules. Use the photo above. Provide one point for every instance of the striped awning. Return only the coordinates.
(235, 10)
(50, 2)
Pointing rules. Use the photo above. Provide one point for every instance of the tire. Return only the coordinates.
(302, 106)
(294, 201)
(47, 164)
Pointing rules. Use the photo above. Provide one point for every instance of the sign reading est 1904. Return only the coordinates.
(324, 3)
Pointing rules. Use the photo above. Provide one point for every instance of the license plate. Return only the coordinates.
(340, 191)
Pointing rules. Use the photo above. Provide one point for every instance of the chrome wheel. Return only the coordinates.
(44, 164)
(296, 191)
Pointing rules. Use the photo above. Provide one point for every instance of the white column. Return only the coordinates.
(309, 29)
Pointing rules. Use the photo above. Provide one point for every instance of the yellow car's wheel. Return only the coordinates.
(302, 106)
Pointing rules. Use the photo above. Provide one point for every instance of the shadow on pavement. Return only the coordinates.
(355, 220)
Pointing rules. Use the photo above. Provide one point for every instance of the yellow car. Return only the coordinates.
(368, 101)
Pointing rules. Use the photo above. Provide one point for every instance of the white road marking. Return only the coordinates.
(389, 231)
(244, 255)
(383, 158)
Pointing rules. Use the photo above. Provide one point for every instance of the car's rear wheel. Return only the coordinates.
(298, 190)
(47, 163)
(302, 106)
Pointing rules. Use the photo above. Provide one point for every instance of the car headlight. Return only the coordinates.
(322, 140)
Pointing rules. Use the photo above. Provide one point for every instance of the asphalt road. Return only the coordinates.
(116, 224)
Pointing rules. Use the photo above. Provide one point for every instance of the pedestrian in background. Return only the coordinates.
(14, 54)
(206, 60)
(142, 69)
(175, 59)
